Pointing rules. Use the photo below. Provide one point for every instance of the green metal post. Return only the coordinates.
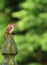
(9, 50)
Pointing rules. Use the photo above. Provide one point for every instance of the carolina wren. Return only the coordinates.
(9, 29)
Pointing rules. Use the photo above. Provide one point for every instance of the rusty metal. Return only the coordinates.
(9, 50)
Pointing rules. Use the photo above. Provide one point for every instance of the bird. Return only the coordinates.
(9, 29)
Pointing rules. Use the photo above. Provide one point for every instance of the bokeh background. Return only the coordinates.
(30, 31)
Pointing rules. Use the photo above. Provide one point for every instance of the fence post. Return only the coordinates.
(9, 50)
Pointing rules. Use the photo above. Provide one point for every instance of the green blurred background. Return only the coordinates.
(30, 31)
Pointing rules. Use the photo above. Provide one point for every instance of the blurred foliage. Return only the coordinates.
(30, 31)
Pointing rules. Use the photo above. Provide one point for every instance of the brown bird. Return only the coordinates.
(9, 29)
